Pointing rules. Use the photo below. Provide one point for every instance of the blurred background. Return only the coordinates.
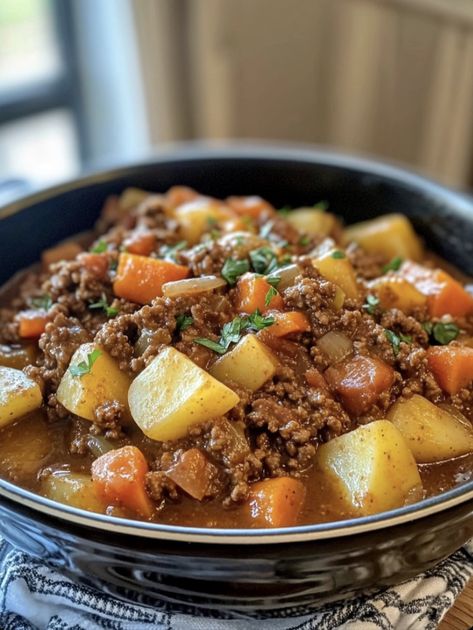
(87, 82)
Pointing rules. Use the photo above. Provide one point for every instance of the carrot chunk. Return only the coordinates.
(254, 292)
(96, 264)
(32, 323)
(288, 323)
(177, 195)
(315, 379)
(250, 206)
(141, 243)
(276, 502)
(140, 279)
(445, 295)
(359, 382)
(119, 478)
(193, 473)
(452, 367)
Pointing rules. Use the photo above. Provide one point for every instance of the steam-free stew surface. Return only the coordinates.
(225, 364)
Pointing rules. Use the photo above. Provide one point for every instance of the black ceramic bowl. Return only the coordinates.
(242, 569)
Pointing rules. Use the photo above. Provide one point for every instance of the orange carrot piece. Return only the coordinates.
(251, 295)
(31, 323)
(276, 502)
(359, 382)
(63, 251)
(445, 295)
(250, 206)
(452, 367)
(193, 473)
(315, 379)
(288, 323)
(96, 264)
(141, 243)
(177, 195)
(140, 279)
(119, 477)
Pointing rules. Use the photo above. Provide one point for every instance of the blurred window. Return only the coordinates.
(40, 113)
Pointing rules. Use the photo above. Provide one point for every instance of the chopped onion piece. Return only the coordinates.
(335, 345)
(322, 248)
(98, 445)
(143, 342)
(287, 274)
(191, 286)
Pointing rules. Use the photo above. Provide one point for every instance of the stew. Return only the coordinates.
(222, 363)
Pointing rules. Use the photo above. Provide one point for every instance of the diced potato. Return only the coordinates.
(73, 489)
(17, 356)
(312, 221)
(173, 393)
(339, 271)
(390, 234)
(131, 197)
(195, 218)
(18, 395)
(432, 433)
(249, 364)
(26, 446)
(371, 469)
(396, 292)
(104, 381)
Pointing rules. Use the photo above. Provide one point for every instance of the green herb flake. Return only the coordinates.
(273, 280)
(393, 265)
(284, 211)
(266, 229)
(211, 345)
(321, 206)
(110, 311)
(169, 252)
(211, 221)
(84, 367)
(43, 302)
(371, 304)
(445, 333)
(183, 322)
(233, 269)
(338, 254)
(395, 340)
(100, 247)
(256, 321)
(272, 292)
(113, 265)
(285, 260)
(304, 241)
(263, 260)
(428, 327)
(239, 240)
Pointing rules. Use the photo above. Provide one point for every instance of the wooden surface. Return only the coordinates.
(460, 617)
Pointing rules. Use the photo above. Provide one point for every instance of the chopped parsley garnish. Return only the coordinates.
(43, 302)
(285, 260)
(233, 269)
(338, 254)
(395, 340)
(239, 240)
(284, 211)
(183, 322)
(84, 367)
(100, 248)
(442, 333)
(371, 304)
(321, 206)
(272, 292)
(263, 260)
(232, 331)
(393, 265)
(304, 241)
(111, 311)
(169, 251)
(273, 280)
(211, 221)
(113, 265)
(266, 229)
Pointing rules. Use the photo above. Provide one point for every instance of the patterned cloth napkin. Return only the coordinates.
(32, 597)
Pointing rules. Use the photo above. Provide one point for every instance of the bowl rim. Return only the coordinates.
(197, 152)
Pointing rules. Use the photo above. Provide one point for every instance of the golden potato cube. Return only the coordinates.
(19, 395)
(74, 489)
(131, 197)
(249, 364)
(26, 446)
(173, 393)
(102, 382)
(432, 433)
(390, 234)
(371, 469)
(339, 271)
(195, 218)
(396, 292)
(312, 221)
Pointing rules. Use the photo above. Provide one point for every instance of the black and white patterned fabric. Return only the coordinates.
(32, 597)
